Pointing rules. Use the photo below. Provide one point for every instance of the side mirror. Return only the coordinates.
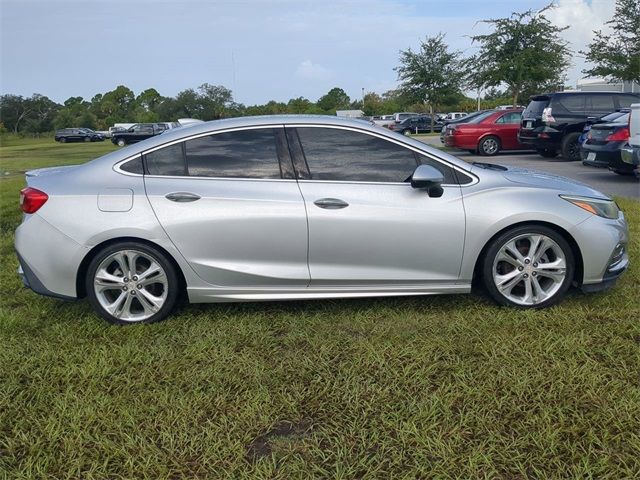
(429, 178)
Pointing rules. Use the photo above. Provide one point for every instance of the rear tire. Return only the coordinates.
(489, 146)
(131, 282)
(63, 140)
(121, 142)
(87, 139)
(547, 153)
(530, 266)
(571, 147)
(406, 132)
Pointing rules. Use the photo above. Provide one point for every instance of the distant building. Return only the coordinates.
(350, 113)
(601, 85)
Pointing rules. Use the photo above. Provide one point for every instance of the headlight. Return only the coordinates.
(597, 206)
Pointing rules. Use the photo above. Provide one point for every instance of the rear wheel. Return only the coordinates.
(489, 146)
(406, 132)
(63, 140)
(132, 282)
(547, 152)
(121, 142)
(571, 147)
(87, 139)
(528, 266)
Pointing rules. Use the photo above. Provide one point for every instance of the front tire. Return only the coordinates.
(132, 282)
(571, 147)
(530, 266)
(489, 146)
(63, 140)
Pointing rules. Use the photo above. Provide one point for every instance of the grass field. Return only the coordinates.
(435, 387)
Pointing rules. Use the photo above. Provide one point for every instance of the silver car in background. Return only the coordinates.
(306, 207)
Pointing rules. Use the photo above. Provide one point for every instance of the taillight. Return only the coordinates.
(31, 199)
(622, 135)
(546, 115)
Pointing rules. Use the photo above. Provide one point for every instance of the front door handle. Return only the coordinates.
(331, 203)
(182, 197)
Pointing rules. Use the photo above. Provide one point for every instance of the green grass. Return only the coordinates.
(435, 387)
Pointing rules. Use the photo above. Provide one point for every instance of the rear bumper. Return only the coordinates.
(603, 156)
(543, 138)
(32, 282)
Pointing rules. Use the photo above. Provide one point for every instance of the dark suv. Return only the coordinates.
(553, 122)
(77, 135)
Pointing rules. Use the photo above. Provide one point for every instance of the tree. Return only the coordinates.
(524, 51)
(215, 101)
(334, 99)
(617, 56)
(431, 74)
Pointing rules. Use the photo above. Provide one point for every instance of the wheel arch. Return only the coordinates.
(84, 264)
(575, 249)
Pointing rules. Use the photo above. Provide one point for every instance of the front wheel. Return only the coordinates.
(489, 146)
(529, 266)
(87, 139)
(132, 282)
(63, 140)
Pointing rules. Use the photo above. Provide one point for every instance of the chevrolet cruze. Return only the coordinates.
(306, 207)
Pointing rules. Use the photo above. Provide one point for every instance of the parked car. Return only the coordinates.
(454, 115)
(464, 119)
(631, 152)
(487, 134)
(604, 144)
(610, 117)
(77, 135)
(136, 133)
(400, 116)
(306, 207)
(384, 120)
(417, 124)
(552, 122)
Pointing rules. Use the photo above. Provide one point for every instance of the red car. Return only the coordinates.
(487, 133)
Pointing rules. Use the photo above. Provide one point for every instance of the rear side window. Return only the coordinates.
(239, 154)
(166, 161)
(133, 166)
(571, 103)
(600, 104)
(513, 117)
(625, 101)
(345, 155)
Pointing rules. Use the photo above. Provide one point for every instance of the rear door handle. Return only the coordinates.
(182, 197)
(331, 203)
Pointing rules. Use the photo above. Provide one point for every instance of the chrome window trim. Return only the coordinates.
(116, 167)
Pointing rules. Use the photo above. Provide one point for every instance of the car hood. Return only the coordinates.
(538, 179)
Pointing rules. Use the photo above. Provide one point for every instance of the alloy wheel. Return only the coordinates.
(131, 285)
(529, 269)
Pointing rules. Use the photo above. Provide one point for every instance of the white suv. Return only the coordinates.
(631, 152)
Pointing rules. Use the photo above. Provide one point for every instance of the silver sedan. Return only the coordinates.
(306, 207)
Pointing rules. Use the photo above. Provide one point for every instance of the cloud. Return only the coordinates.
(582, 17)
(312, 71)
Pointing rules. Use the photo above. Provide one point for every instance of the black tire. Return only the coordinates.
(63, 140)
(497, 243)
(625, 173)
(489, 146)
(570, 147)
(407, 131)
(121, 142)
(173, 284)
(547, 153)
(87, 139)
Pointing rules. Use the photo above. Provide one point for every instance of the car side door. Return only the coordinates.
(230, 203)
(367, 225)
(507, 127)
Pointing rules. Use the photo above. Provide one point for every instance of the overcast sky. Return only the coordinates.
(262, 50)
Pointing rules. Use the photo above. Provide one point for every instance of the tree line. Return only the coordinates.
(524, 54)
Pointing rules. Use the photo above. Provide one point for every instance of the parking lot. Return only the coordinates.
(598, 178)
